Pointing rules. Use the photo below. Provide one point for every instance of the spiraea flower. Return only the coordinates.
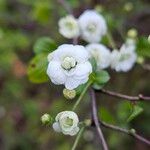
(69, 65)
(92, 26)
(67, 123)
(68, 27)
(100, 53)
(124, 59)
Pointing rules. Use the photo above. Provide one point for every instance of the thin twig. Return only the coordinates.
(81, 96)
(66, 6)
(78, 138)
(96, 121)
(140, 97)
(129, 132)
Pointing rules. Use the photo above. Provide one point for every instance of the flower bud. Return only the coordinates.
(46, 119)
(132, 131)
(99, 8)
(69, 94)
(87, 122)
(132, 33)
(140, 60)
(128, 6)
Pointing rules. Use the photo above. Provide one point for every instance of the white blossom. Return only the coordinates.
(67, 123)
(124, 59)
(68, 27)
(92, 26)
(69, 65)
(100, 53)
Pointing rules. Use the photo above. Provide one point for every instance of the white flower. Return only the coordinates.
(100, 53)
(92, 26)
(69, 65)
(67, 123)
(68, 27)
(124, 59)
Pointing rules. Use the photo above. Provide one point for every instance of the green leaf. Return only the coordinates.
(37, 69)
(135, 112)
(100, 78)
(143, 47)
(44, 45)
(94, 64)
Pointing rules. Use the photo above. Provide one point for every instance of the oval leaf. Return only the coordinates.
(100, 78)
(135, 112)
(44, 45)
(37, 69)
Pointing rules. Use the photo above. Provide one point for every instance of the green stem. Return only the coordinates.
(111, 40)
(78, 138)
(81, 96)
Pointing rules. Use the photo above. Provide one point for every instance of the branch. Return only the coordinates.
(140, 97)
(129, 132)
(146, 67)
(95, 120)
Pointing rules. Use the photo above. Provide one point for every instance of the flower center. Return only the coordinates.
(91, 27)
(68, 63)
(69, 121)
(124, 57)
(70, 25)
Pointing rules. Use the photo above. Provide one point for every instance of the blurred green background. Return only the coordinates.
(22, 103)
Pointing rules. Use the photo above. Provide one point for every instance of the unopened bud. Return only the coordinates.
(128, 6)
(140, 60)
(69, 94)
(87, 122)
(46, 119)
(99, 8)
(132, 33)
(132, 131)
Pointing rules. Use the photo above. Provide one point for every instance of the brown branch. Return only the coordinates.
(96, 121)
(140, 97)
(146, 67)
(129, 132)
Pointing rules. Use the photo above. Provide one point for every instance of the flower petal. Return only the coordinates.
(83, 69)
(55, 73)
(72, 83)
(56, 127)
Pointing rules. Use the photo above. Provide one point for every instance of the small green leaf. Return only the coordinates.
(135, 112)
(44, 45)
(37, 69)
(94, 64)
(143, 47)
(100, 78)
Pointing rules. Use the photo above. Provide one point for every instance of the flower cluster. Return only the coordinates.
(90, 25)
(70, 65)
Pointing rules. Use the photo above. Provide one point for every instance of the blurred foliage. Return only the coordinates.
(22, 103)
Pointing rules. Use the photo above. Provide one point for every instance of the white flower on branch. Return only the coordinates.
(92, 26)
(68, 27)
(100, 53)
(69, 65)
(124, 59)
(67, 123)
